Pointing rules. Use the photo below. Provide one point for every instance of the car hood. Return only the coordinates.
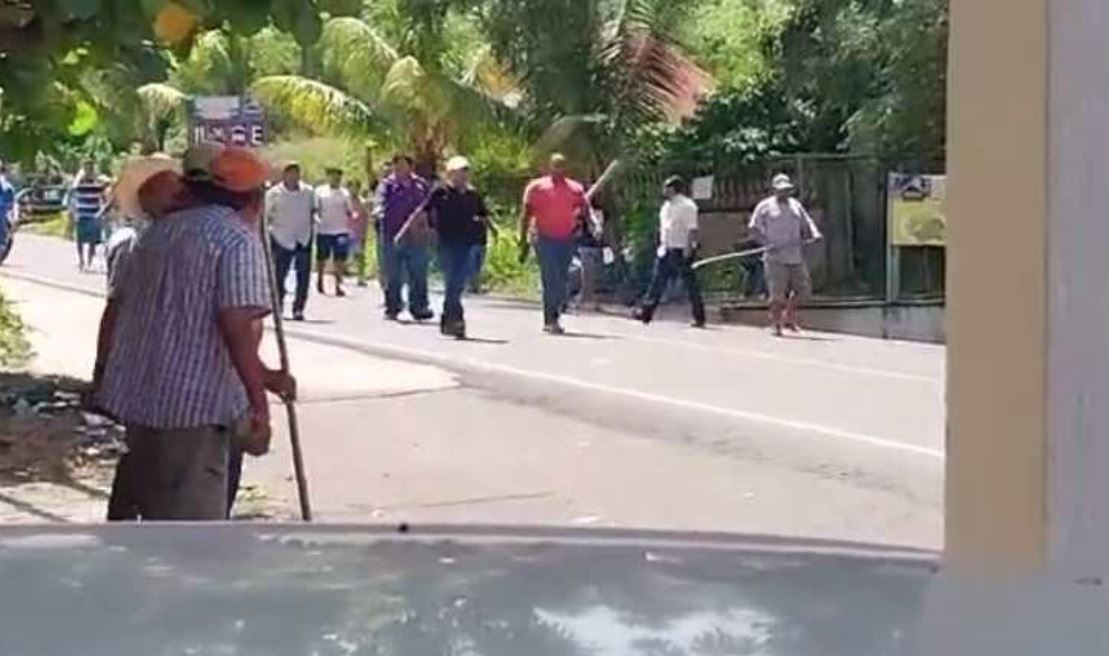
(273, 590)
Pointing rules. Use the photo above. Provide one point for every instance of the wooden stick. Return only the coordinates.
(283, 353)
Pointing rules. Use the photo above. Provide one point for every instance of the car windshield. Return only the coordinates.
(582, 267)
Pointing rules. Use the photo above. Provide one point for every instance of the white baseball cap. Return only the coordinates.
(457, 163)
(782, 182)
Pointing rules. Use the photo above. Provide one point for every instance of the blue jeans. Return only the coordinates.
(554, 271)
(477, 264)
(299, 258)
(454, 260)
(405, 264)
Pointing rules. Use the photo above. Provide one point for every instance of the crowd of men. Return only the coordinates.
(178, 349)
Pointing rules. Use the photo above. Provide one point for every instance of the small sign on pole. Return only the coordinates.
(232, 120)
(701, 188)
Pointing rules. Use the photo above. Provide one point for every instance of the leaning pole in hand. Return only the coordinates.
(283, 352)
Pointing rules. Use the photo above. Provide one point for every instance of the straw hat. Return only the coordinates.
(135, 173)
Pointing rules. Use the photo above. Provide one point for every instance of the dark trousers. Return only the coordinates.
(405, 264)
(172, 475)
(300, 258)
(554, 270)
(234, 476)
(667, 267)
(454, 260)
(754, 279)
(477, 265)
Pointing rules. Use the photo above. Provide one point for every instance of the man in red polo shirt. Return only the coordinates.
(552, 208)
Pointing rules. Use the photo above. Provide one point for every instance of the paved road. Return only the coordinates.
(821, 410)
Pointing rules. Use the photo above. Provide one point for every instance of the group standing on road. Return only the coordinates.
(177, 354)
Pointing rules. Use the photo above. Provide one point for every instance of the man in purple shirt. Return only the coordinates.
(406, 259)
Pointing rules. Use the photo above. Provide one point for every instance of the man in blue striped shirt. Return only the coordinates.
(87, 197)
(177, 360)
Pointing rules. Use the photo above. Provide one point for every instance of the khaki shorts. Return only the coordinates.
(176, 475)
(786, 280)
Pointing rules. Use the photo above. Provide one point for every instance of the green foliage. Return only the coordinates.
(727, 37)
(734, 128)
(15, 350)
(52, 225)
(315, 154)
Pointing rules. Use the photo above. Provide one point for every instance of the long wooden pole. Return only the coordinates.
(283, 353)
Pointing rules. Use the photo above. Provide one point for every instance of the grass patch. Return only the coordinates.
(15, 350)
(50, 225)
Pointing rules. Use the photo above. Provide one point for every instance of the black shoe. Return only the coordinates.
(424, 315)
(641, 315)
(339, 292)
(698, 323)
(298, 315)
(554, 328)
(391, 316)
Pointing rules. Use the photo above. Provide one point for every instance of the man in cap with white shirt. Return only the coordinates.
(336, 209)
(783, 227)
(290, 210)
(677, 243)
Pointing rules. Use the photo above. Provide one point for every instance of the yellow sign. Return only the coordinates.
(917, 210)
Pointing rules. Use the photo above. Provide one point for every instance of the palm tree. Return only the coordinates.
(371, 88)
(615, 67)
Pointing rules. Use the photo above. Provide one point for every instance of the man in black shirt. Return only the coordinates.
(458, 214)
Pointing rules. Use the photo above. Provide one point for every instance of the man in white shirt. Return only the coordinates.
(333, 241)
(677, 243)
(290, 208)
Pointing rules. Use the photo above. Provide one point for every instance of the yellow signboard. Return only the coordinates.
(917, 210)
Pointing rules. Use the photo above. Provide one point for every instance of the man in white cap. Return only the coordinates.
(782, 226)
(458, 214)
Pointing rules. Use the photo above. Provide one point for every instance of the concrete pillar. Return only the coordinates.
(1028, 298)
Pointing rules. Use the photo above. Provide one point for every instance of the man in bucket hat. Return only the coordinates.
(781, 224)
(177, 358)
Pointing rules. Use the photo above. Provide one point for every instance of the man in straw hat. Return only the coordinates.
(781, 225)
(177, 359)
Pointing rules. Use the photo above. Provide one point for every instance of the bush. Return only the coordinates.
(51, 225)
(15, 350)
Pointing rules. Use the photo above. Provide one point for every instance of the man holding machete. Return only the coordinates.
(782, 226)
(677, 243)
(551, 209)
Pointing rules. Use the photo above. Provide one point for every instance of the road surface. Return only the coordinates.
(617, 423)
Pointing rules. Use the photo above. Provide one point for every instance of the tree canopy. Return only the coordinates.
(703, 80)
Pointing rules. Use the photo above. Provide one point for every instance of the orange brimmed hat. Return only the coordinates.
(232, 168)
